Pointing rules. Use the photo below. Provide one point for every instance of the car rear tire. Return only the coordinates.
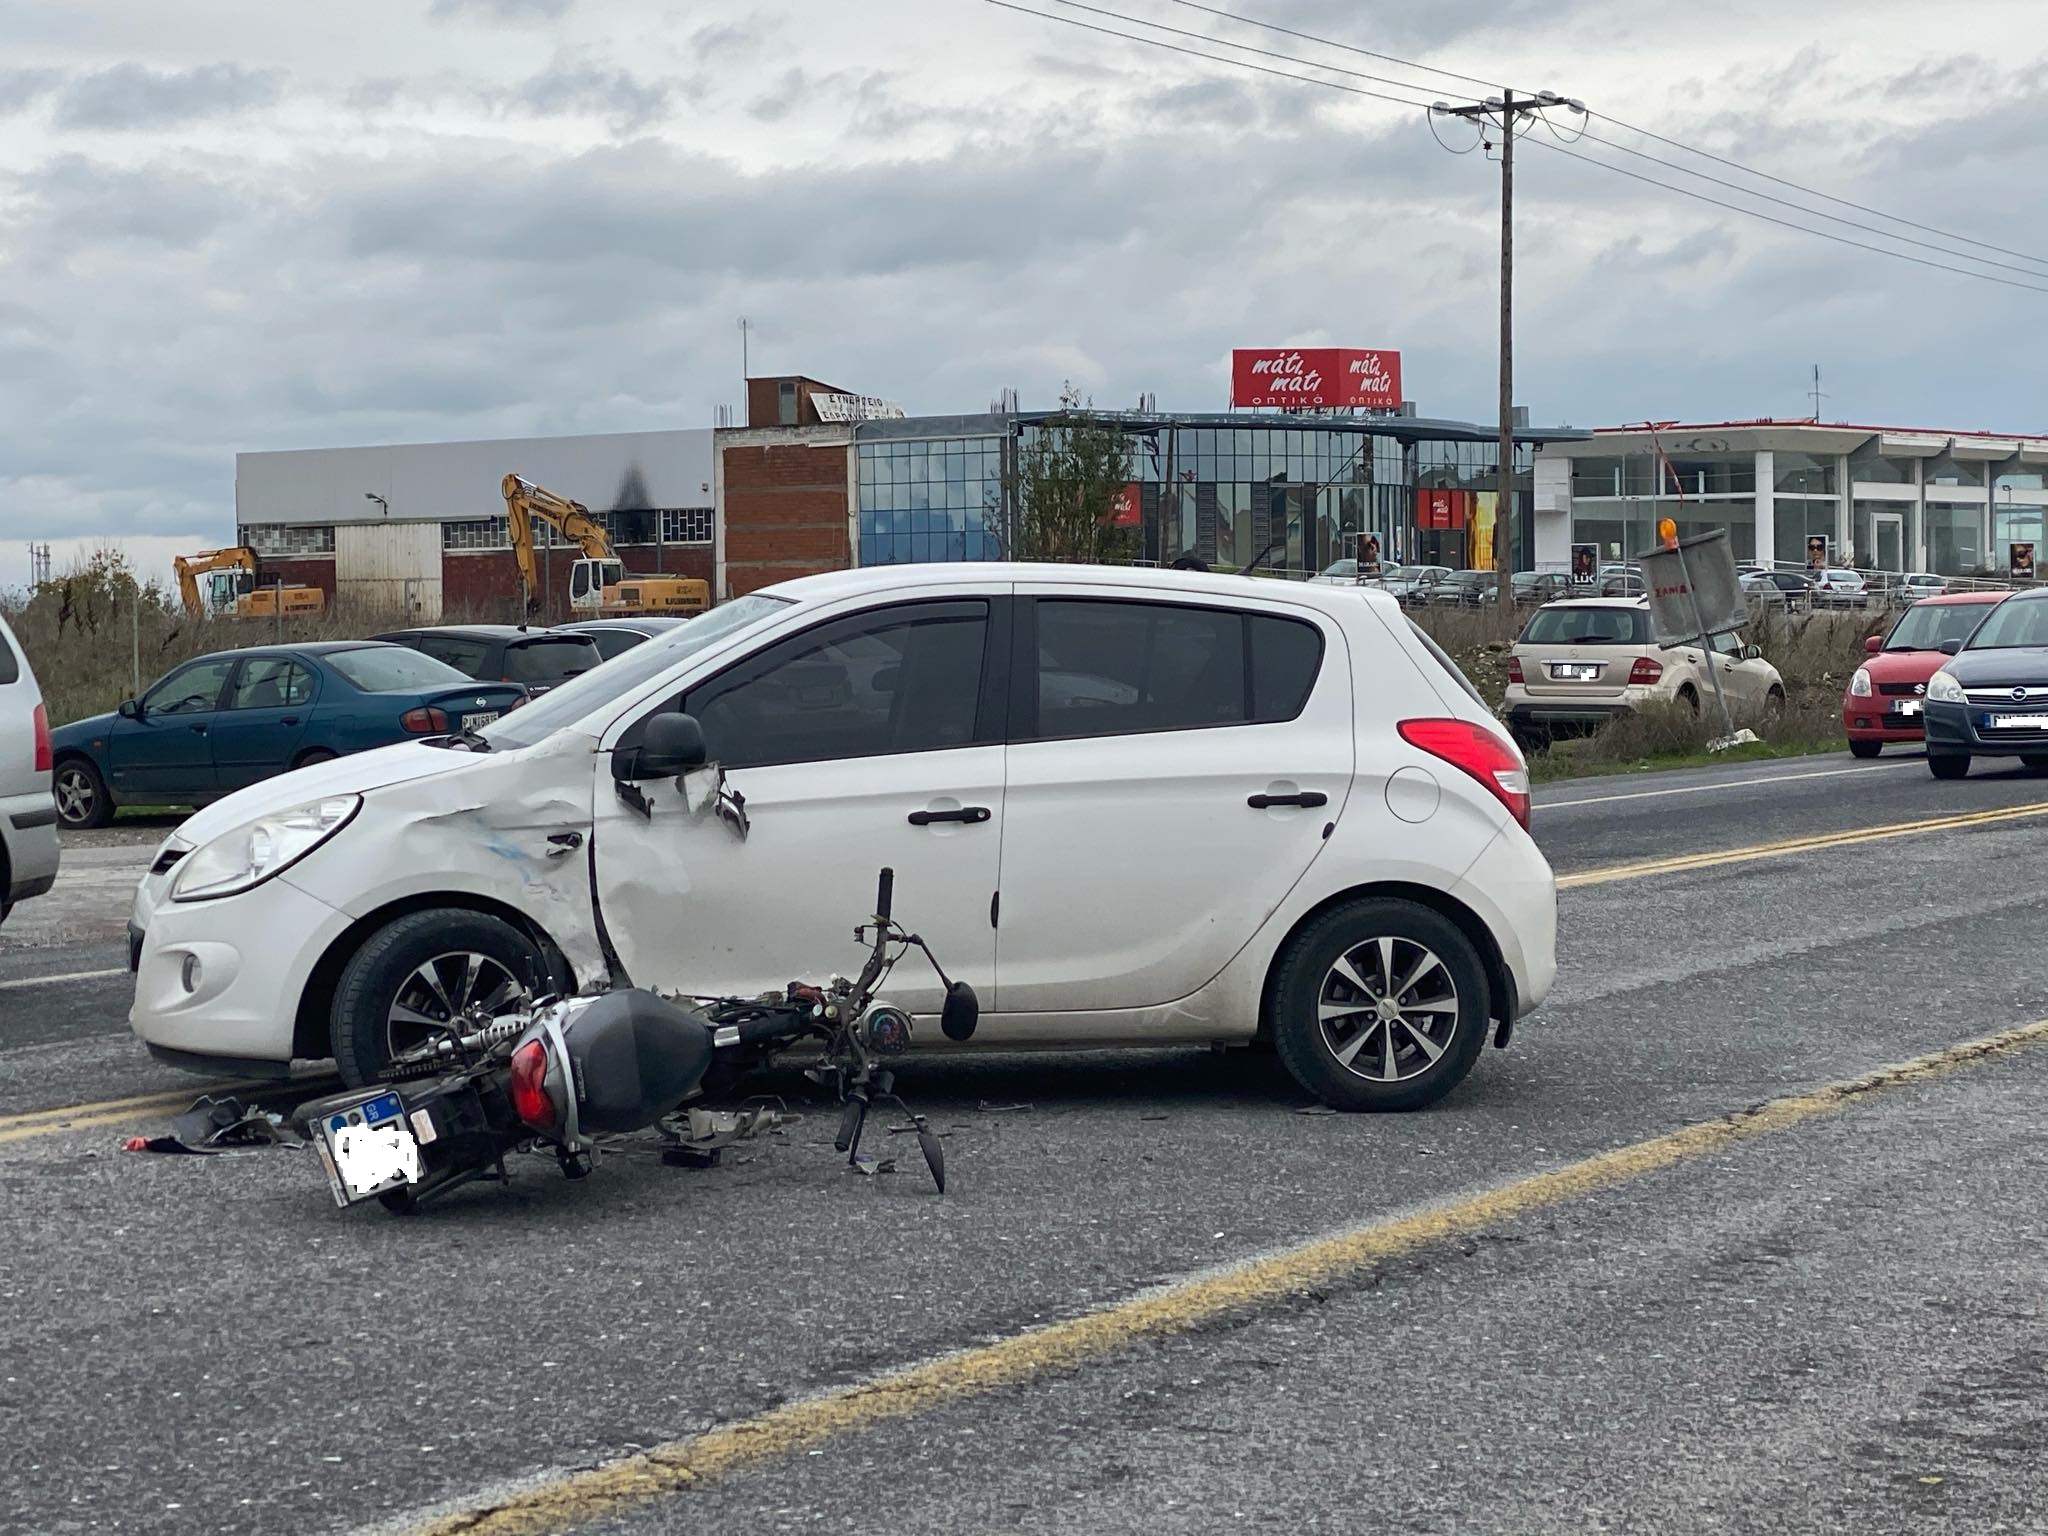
(1948, 765)
(1689, 700)
(1421, 1006)
(2034, 762)
(314, 755)
(82, 799)
(416, 971)
(1865, 748)
(1534, 740)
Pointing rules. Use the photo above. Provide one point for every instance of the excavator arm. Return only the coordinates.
(191, 567)
(524, 502)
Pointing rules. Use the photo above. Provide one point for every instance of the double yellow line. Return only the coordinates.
(583, 1497)
(80, 1117)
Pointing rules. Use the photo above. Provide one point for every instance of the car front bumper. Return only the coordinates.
(1877, 718)
(1961, 728)
(220, 981)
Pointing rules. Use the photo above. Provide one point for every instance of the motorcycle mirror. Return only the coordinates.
(934, 1157)
(961, 1013)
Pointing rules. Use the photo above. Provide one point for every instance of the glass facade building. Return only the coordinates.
(1302, 491)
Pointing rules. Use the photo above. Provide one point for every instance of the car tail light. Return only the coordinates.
(528, 1088)
(41, 727)
(1647, 669)
(1514, 669)
(424, 721)
(1475, 749)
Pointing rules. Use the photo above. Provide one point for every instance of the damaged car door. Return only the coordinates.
(868, 740)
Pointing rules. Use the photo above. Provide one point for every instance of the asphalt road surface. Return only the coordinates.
(1653, 1268)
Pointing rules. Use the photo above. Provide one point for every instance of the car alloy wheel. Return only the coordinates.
(444, 991)
(1388, 1009)
(80, 796)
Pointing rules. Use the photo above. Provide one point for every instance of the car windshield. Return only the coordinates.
(394, 669)
(1341, 568)
(549, 659)
(579, 696)
(2012, 625)
(1587, 626)
(1925, 627)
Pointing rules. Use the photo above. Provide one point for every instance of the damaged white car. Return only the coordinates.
(1129, 806)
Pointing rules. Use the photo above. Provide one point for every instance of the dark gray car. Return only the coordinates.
(1991, 698)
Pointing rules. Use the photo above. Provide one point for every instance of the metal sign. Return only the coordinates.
(855, 408)
(1693, 590)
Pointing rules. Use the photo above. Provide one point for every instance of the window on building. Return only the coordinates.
(477, 533)
(1804, 474)
(686, 525)
(284, 540)
(785, 402)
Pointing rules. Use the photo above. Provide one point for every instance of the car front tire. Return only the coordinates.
(1864, 748)
(1948, 765)
(420, 971)
(1381, 1004)
(83, 803)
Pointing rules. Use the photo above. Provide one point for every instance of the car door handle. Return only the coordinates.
(289, 720)
(1308, 797)
(971, 814)
(199, 730)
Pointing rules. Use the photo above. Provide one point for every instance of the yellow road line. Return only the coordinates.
(47, 1122)
(582, 1497)
(1812, 843)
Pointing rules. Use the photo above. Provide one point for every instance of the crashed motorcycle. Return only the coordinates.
(563, 1073)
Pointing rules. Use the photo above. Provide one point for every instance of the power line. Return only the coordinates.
(1196, 53)
(1841, 202)
(1559, 148)
(1786, 202)
(1806, 229)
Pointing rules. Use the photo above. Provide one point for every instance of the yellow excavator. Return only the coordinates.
(598, 584)
(232, 590)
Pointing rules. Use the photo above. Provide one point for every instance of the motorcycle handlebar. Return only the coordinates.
(885, 893)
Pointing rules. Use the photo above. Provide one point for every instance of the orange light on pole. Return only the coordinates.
(1667, 531)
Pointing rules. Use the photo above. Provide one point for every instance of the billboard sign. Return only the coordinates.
(1315, 378)
(1585, 564)
(1127, 510)
(2021, 561)
(1438, 508)
(855, 408)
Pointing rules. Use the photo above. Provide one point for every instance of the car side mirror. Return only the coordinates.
(1752, 653)
(129, 710)
(1951, 647)
(884, 679)
(1873, 644)
(671, 745)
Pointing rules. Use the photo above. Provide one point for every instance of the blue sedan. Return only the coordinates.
(226, 720)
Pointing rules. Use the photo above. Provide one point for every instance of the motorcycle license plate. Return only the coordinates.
(368, 1148)
(482, 717)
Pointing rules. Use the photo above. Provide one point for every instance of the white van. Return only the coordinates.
(28, 816)
(1129, 806)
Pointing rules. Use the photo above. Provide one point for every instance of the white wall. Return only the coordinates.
(441, 481)
(1551, 486)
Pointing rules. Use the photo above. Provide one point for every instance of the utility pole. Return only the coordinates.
(1507, 112)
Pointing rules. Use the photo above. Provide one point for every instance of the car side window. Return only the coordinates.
(271, 682)
(1727, 645)
(1111, 667)
(465, 656)
(902, 679)
(611, 642)
(193, 690)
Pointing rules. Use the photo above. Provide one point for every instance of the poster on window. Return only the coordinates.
(1585, 564)
(1817, 552)
(1369, 556)
(1127, 510)
(1479, 532)
(2021, 561)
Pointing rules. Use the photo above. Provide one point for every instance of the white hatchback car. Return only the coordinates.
(28, 816)
(1131, 807)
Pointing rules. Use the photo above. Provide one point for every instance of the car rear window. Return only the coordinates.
(1587, 626)
(393, 669)
(549, 659)
(610, 642)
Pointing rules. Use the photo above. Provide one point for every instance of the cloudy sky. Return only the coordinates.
(228, 225)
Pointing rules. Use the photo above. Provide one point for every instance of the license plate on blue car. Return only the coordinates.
(481, 717)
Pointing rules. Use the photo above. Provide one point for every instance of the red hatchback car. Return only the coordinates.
(1884, 697)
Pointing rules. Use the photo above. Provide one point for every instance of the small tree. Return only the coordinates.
(1066, 486)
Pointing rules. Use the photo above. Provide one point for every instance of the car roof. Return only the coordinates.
(651, 623)
(476, 631)
(294, 648)
(1963, 599)
(1600, 602)
(908, 578)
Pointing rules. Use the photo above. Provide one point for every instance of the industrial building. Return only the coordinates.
(1878, 498)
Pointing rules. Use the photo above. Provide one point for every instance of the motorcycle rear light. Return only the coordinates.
(1514, 669)
(528, 1087)
(424, 721)
(1476, 750)
(1647, 669)
(41, 729)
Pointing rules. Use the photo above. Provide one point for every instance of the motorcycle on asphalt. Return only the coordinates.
(562, 1073)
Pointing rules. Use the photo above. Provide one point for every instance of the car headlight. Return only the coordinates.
(1859, 684)
(251, 854)
(1944, 688)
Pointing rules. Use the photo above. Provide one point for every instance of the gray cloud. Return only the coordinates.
(136, 96)
(515, 11)
(20, 89)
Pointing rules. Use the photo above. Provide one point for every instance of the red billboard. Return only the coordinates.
(1440, 509)
(1315, 378)
(1128, 510)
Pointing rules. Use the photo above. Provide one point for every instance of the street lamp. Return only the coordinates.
(384, 505)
